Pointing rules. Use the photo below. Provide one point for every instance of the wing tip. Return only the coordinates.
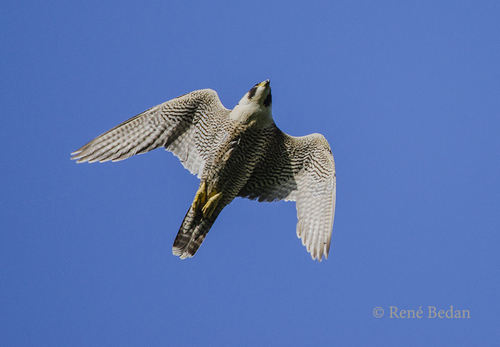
(318, 255)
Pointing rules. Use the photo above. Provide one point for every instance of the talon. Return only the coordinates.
(211, 204)
(200, 198)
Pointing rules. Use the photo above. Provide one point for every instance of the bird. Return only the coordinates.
(235, 153)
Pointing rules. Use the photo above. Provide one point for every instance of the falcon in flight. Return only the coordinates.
(239, 152)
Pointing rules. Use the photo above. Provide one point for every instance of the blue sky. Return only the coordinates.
(408, 96)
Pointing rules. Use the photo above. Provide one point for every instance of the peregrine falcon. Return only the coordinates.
(234, 153)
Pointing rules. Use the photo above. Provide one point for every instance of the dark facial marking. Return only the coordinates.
(252, 92)
(268, 100)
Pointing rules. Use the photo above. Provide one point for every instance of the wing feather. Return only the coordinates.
(300, 169)
(185, 126)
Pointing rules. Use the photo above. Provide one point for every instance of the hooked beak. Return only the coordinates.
(264, 84)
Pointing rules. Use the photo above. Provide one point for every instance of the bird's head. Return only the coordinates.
(255, 105)
(260, 93)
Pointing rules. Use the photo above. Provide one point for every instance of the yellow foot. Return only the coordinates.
(200, 198)
(211, 204)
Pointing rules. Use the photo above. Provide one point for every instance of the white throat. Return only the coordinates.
(253, 114)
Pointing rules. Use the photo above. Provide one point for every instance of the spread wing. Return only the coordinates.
(300, 169)
(186, 126)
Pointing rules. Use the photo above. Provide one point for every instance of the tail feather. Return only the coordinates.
(191, 234)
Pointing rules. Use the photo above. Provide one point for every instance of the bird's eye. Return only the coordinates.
(252, 92)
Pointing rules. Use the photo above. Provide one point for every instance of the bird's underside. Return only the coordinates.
(237, 152)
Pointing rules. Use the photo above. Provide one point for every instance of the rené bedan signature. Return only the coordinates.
(378, 312)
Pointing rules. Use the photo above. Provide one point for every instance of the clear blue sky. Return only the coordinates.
(407, 94)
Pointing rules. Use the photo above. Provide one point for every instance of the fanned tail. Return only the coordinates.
(191, 234)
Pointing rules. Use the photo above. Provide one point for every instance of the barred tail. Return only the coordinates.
(191, 234)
